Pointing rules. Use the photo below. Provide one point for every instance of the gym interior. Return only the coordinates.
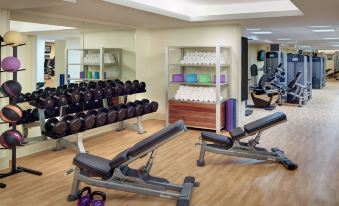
(229, 102)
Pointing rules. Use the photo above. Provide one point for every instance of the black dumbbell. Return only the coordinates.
(43, 101)
(142, 87)
(75, 108)
(139, 109)
(60, 99)
(121, 113)
(72, 86)
(34, 115)
(74, 124)
(130, 110)
(100, 117)
(61, 89)
(92, 84)
(108, 91)
(145, 104)
(25, 118)
(111, 115)
(28, 97)
(83, 84)
(51, 112)
(55, 128)
(154, 106)
(127, 87)
(97, 92)
(87, 121)
(73, 95)
(102, 83)
(86, 94)
(20, 98)
(135, 86)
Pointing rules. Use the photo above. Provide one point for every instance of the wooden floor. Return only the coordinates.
(310, 138)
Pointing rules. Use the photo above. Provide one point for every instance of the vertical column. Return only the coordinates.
(4, 27)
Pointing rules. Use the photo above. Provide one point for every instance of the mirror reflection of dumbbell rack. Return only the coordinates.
(14, 168)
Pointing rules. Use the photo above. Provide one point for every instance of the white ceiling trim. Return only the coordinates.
(191, 11)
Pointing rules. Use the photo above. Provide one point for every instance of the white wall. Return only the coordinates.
(60, 46)
(40, 59)
(151, 66)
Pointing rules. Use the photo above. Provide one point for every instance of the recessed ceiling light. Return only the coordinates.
(323, 30)
(331, 38)
(261, 32)
(284, 39)
(253, 29)
(304, 46)
(319, 26)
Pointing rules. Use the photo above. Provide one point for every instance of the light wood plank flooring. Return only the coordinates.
(310, 138)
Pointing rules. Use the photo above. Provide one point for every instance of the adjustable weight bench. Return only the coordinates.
(234, 147)
(116, 173)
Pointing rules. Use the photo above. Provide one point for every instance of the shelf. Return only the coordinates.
(198, 65)
(198, 83)
(197, 102)
(106, 64)
(83, 79)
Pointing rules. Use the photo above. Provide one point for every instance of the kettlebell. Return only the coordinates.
(84, 200)
(100, 202)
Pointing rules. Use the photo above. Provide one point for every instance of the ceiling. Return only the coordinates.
(101, 14)
(193, 11)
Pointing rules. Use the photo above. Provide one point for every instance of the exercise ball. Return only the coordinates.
(10, 88)
(13, 37)
(11, 113)
(11, 138)
(10, 64)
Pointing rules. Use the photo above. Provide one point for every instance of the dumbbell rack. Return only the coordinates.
(14, 168)
(79, 147)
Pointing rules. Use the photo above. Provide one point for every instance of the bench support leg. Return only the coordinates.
(75, 187)
(201, 161)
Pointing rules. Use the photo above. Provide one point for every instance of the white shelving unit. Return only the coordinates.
(174, 56)
(103, 60)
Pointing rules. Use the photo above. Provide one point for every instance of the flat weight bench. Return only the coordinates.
(116, 174)
(234, 147)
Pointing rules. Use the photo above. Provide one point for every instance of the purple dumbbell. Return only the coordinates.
(100, 202)
(84, 200)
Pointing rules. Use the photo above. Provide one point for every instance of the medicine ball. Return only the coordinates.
(13, 37)
(11, 138)
(10, 64)
(11, 88)
(11, 113)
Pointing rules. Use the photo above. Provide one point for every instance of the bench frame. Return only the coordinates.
(140, 181)
(246, 150)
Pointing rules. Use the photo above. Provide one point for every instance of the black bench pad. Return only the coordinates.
(237, 133)
(265, 122)
(216, 138)
(96, 166)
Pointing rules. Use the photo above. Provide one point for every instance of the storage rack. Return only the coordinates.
(113, 70)
(14, 168)
(173, 54)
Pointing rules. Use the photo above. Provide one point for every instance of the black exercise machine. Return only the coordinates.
(234, 147)
(260, 89)
(116, 173)
(293, 91)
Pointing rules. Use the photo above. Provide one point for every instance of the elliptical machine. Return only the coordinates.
(263, 87)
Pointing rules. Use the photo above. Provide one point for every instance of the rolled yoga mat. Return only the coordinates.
(96, 75)
(89, 75)
(62, 79)
(231, 114)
